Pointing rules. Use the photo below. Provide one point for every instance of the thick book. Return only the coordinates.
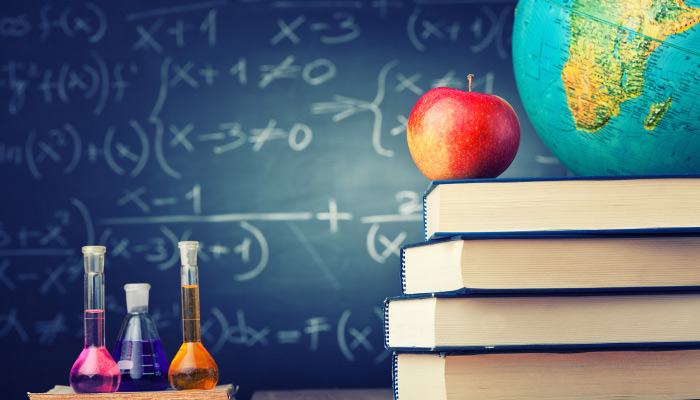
(471, 264)
(574, 204)
(60, 392)
(666, 374)
(541, 321)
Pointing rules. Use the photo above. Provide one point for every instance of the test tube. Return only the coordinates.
(192, 367)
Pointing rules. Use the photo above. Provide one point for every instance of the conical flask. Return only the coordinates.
(139, 352)
(192, 367)
(95, 370)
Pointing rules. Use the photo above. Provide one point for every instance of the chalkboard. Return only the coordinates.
(272, 132)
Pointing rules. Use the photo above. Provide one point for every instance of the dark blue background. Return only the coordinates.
(137, 124)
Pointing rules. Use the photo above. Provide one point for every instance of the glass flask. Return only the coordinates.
(192, 367)
(139, 352)
(95, 370)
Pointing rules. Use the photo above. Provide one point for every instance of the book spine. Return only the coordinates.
(395, 375)
(403, 270)
(386, 323)
(425, 219)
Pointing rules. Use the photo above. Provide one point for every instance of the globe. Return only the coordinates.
(612, 87)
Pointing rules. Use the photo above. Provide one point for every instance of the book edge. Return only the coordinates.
(559, 234)
(475, 293)
(631, 232)
(395, 375)
(549, 292)
(386, 322)
(435, 183)
(552, 348)
(402, 268)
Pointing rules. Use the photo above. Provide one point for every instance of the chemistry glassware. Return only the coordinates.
(192, 367)
(95, 370)
(139, 352)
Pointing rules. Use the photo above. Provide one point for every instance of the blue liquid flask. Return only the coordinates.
(139, 352)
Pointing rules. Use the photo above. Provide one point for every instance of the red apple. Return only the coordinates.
(453, 134)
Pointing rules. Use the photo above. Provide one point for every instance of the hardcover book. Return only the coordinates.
(573, 204)
(61, 392)
(542, 321)
(471, 264)
(616, 374)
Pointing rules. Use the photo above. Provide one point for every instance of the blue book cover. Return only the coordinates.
(582, 204)
(558, 373)
(451, 321)
(602, 261)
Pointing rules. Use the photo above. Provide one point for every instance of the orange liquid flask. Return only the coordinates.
(192, 368)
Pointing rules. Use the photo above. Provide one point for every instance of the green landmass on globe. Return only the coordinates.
(612, 86)
(656, 112)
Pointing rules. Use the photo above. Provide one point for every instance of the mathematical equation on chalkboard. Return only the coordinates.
(217, 330)
(160, 250)
(190, 94)
(246, 258)
(100, 83)
(127, 151)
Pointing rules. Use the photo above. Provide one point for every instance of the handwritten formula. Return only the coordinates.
(271, 131)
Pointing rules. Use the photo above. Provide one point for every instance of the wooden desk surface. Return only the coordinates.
(325, 394)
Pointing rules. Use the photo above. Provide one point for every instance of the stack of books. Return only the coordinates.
(563, 288)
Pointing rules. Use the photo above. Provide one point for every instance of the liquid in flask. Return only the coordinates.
(192, 367)
(94, 371)
(139, 352)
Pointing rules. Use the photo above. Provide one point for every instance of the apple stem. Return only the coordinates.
(469, 77)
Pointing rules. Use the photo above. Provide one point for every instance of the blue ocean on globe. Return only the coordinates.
(612, 87)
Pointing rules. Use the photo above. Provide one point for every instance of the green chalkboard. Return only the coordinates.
(272, 132)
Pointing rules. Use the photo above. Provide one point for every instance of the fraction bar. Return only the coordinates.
(378, 219)
(171, 219)
(314, 4)
(175, 9)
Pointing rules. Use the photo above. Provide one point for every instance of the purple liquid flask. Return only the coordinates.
(95, 370)
(138, 352)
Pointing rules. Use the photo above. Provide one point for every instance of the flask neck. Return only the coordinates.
(94, 296)
(189, 275)
(189, 279)
(94, 291)
(94, 328)
(190, 313)
(137, 297)
(94, 310)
